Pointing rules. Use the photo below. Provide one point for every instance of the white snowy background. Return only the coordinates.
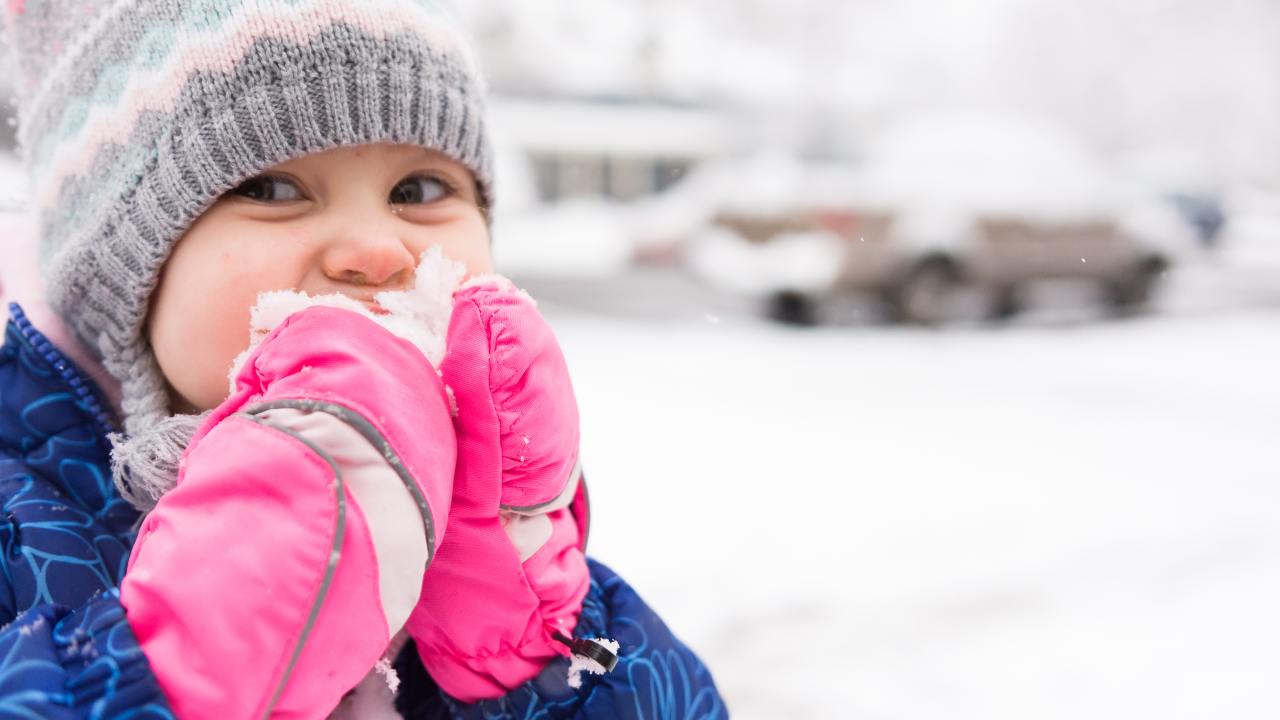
(1067, 516)
(1075, 521)
(1188, 78)
(1064, 516)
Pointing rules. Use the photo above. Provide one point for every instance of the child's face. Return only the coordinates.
(352, 220)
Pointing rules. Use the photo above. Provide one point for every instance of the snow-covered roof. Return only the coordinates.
(609, 128)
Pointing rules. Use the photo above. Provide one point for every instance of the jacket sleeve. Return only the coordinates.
(657, 676)
(60, 663)
(66, 649)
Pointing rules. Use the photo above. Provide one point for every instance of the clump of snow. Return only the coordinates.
(501, 282)
(453, 401)
(579, 663)
(81, 644)
(373, 699)
(388, 673)
(420, 315)
(35, 626)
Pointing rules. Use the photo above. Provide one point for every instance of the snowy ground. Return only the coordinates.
(1044, 520)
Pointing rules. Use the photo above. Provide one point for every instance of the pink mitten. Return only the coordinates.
(511, 574)
(270, 580)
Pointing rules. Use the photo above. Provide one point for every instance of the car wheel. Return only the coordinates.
(1135, 290)
(1005, 303)
(925, 296)
(792, 308)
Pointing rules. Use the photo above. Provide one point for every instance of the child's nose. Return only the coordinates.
(377, 260)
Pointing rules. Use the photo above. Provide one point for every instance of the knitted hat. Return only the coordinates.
(136, 115)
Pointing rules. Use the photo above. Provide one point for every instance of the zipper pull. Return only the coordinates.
(595, 655)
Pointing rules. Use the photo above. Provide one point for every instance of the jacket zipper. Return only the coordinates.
(84, 389)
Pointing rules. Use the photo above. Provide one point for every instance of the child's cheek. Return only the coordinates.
(471, 247)
(230, 326)
(478, 266)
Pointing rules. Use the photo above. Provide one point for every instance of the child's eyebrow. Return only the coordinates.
(427, 156)
(434, 154)
(442, 164)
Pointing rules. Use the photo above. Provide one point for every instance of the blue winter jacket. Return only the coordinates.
(67, 650)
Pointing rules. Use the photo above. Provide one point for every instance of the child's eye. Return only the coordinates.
(419, 189)
(268, 188)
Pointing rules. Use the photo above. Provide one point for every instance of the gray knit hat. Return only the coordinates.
(136, 115)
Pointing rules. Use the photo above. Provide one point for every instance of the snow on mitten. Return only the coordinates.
(511, 575)
(419, 315)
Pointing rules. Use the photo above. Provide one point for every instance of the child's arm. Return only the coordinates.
(512, 574)
(291, 550)
(56, 662)
(657, 676)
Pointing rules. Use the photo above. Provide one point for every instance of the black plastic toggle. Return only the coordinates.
(591, 650)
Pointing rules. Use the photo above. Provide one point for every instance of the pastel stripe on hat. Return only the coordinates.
(157, 88)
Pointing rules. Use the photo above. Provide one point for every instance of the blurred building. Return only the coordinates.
(617, 149)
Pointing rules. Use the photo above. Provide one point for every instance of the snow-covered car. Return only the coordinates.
(961, 212)
(950, 216)
(928, 276)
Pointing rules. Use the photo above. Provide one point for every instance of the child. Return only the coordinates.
(354, 491)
